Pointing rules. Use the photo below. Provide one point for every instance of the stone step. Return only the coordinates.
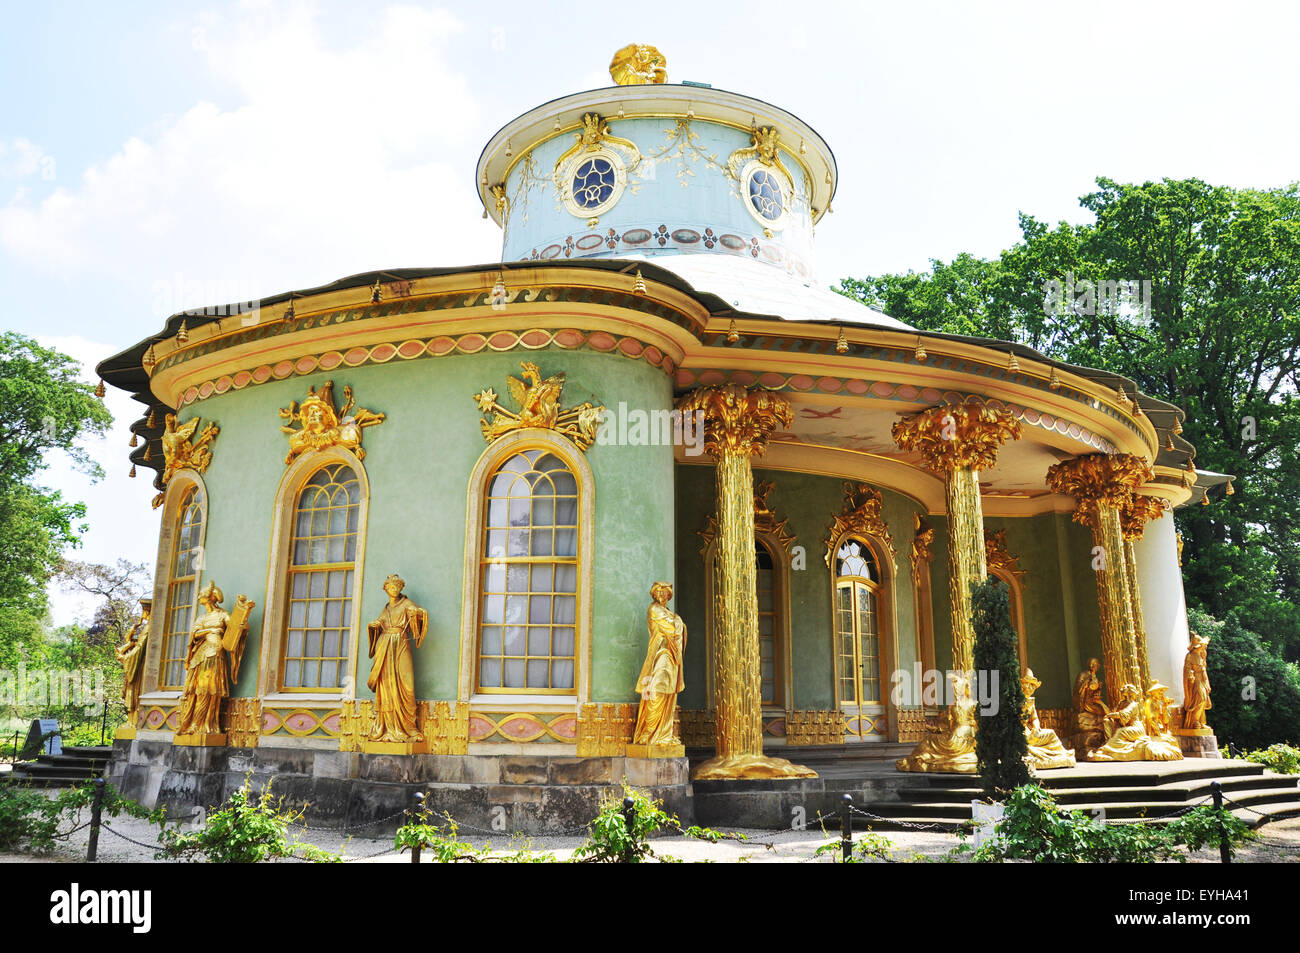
(1169, 792)
(1188, 770)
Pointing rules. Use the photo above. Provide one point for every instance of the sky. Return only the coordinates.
(158, 156)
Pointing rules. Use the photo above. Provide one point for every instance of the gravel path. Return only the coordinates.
(1282, 845)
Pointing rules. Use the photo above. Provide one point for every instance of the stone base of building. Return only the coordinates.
(1197, 742)
(368, 794)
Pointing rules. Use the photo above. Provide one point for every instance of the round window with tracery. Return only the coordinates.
(767, 195)
(593, 183)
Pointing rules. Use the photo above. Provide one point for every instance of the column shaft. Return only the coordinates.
(966, 560)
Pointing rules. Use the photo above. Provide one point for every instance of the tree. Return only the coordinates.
(43, 407)
(1000, 744)
(1212, 325)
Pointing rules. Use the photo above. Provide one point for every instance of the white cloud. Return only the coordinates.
(332, 161)
(21, 157)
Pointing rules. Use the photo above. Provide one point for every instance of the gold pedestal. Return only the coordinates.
(656, 751)
(125, 732)
(209, 739)
(395, 747)
(749, 766)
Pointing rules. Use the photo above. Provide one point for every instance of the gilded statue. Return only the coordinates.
(1089, 710)
(1196, 684)
(638, 64)
(184, 448)
(392, 676)
(1128, 737)
(212, 661)
(661, 677)
(1045, 748)
(131, 654)
(322, 425)
(949, 747)
(539, 406)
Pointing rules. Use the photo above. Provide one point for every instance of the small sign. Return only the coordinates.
(986, 818)
(43, 738)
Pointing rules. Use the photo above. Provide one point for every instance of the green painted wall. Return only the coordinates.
(807, 503)
(1060, 597)
(418, 463)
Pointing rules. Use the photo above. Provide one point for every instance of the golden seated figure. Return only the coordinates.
(1129, 736)
(1045, 748)
(951, 747)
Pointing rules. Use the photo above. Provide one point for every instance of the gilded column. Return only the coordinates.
(1133, 517)
(737, 424)
(957, 441)
(1103, 484)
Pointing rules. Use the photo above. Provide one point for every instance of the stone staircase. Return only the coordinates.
(1127, 792)
(73, 767)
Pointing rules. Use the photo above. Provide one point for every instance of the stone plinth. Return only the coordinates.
(1197, 742)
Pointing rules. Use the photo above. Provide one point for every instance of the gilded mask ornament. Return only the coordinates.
(862, 516)
(185, 448)
(321, 425)
(539, 407)
(638, 64)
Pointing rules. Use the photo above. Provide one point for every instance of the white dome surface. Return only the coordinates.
(757, 288)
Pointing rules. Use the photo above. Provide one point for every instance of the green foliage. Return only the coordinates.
(1282, 759)
(443, 843)
(1034, 828)
(43, 407)
(1256, 695)
(1000, 745)
(610, 841)
(32, 822)
(1221, 340)
(866, 848)
(245, 830)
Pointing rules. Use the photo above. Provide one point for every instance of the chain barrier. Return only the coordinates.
(155, 846)
(942, 828)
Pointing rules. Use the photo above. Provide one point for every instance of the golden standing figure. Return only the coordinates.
(1196, 684)
(1089, 710)
(131, 654)
(1045, 748)
(212, 665)
(392, 676)
(661, 678)
(951, 747)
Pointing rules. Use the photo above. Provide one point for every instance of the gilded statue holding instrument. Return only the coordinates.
(211, 666)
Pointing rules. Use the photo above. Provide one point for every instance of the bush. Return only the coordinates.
(1256, 695)
(610, 841)
(1284, 759)
(245, 830)
(30, 822)
(1035, 828)
(1000, 745)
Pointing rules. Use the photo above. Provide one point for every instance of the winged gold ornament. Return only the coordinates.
(539, 407)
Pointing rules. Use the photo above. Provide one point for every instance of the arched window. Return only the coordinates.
(857, 623)
(322, 566)
(1016, 605)
(529, 577)
(182, 589)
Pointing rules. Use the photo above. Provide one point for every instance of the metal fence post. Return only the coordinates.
(846, 827)
(419, 816)
(629, 818)
(1225, 851)
(96, 809)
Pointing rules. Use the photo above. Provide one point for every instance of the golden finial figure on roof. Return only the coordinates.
(638, 64)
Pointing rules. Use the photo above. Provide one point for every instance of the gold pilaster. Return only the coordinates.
(1103, 485)
(957, 441)
(737, 424)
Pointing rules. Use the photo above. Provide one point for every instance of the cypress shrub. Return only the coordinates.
(1000, 744)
